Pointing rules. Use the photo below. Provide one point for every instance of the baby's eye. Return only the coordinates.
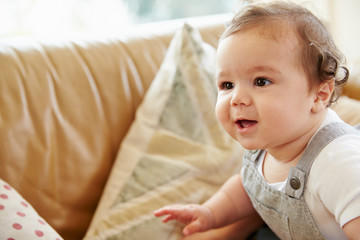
(226, 85)
(261, 82)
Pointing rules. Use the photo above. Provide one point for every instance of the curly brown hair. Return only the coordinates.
(321, 59)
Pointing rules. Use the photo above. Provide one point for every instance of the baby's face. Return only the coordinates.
(263, 95)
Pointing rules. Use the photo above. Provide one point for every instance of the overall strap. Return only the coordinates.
(298, 174)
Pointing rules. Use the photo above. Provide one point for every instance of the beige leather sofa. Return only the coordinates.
(66, 105)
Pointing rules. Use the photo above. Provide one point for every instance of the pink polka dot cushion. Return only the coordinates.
(19, 220)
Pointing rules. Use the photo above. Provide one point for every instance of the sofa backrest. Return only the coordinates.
(65, 107)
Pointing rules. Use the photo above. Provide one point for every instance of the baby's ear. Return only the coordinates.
(323, 95)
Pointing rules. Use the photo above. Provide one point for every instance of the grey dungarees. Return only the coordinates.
(287, 213)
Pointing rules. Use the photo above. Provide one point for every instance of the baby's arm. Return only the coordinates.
(228, 205)
(239, 230)
(352, 229)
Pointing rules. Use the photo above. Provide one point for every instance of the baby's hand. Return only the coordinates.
(197, 218)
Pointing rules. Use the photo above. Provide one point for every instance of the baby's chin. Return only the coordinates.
(249, 145)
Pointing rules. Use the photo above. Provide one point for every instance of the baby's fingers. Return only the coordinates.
(167, 218)
(193, 227)
(179, 213)
(163, 211)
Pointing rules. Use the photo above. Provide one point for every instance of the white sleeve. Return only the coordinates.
(336, 172)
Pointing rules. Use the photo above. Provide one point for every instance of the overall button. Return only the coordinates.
(295, 183)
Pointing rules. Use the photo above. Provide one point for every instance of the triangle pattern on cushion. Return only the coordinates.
(179, 115)
(149, 173)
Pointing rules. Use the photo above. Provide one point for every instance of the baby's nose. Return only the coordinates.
(240, 97)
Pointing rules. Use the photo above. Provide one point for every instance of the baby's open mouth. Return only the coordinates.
(246, 123)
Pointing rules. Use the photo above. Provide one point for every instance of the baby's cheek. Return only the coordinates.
(223, 116)
(219, 111)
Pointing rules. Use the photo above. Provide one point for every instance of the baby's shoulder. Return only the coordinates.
(338, 161)
(334, 178)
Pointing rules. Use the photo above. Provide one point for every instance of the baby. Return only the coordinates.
(278, 71)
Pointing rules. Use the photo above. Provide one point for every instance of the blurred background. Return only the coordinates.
(24, 17)
(109, 17)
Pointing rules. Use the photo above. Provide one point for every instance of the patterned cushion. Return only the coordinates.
(19, 220)
(175, 152)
